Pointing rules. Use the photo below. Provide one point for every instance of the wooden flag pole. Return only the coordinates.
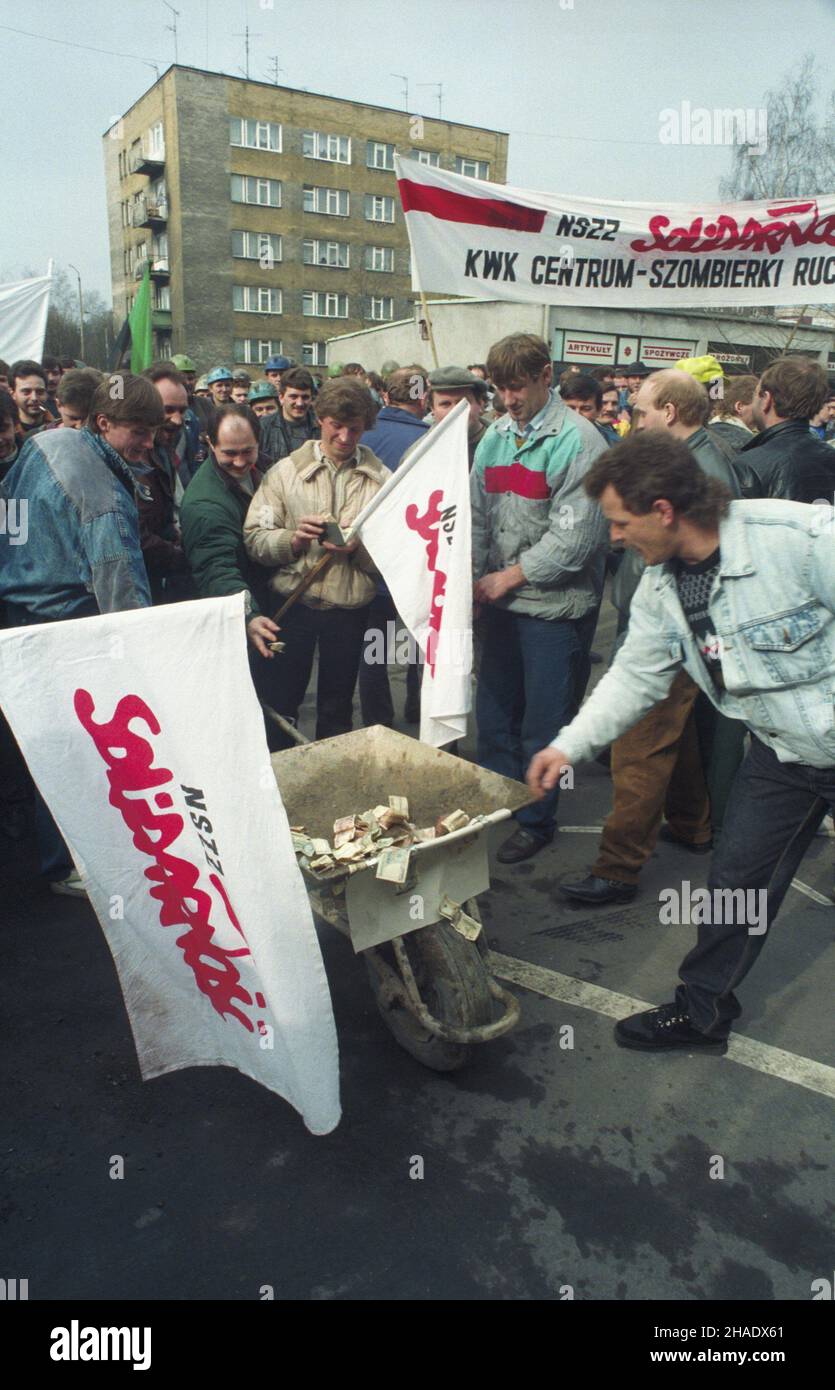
(310, 578)
(427, 320)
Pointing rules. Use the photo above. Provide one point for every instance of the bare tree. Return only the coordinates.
(799, 158)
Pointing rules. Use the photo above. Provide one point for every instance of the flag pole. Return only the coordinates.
(427, 320)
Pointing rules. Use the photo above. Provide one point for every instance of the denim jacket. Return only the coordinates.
(773, 609)
(529, 507)
(82, 554)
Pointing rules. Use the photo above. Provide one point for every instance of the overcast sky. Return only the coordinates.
(578, 84)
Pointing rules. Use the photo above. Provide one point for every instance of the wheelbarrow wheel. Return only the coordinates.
(454, 985)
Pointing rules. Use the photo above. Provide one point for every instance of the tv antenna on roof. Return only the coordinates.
(405, 82)
(275, 70)
(246, 36)
(172, 28)
(439, 87)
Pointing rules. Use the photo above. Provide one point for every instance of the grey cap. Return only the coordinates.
(388, 367)
(457, 379)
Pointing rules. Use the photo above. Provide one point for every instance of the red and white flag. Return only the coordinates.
(491, 241)
(147, 742)
(418, 531)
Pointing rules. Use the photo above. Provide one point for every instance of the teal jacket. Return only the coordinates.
(530, 508)
(212, 518)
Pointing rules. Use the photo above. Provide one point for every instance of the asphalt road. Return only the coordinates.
(548, 1171)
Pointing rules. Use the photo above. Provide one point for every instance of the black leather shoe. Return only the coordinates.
(521, 845)
(598, 890)
(669, 836)
(665, 1028)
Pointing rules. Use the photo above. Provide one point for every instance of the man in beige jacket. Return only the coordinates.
(332, 476)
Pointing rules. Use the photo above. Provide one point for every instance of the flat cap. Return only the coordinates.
(457, 379)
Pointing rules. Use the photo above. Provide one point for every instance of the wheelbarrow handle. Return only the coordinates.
(289, 729)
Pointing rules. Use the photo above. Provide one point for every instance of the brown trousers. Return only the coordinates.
(656, 770)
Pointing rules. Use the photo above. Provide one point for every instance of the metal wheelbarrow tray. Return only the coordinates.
(425, 955)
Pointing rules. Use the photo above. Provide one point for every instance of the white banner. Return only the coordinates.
(147, 743)
(418, 531)
(24, 305)
(491, 241)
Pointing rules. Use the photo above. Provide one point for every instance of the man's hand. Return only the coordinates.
(309, 529)
(544, 770)
(494, 586)
(260, 631)
(342, 549)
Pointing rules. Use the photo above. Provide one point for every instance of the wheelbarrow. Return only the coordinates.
(422, 940)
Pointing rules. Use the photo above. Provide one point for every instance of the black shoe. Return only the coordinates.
(521, 845)
(667, 834)
(598, 890)
(667, 1027)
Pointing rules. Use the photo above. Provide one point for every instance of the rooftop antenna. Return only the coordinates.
(439, 86)
(275, 70)
(246, 36)
(172, 28)
(155, 66)
(405, 82)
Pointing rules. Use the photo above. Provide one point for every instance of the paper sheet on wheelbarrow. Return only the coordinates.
(417, 530)
(144, 735)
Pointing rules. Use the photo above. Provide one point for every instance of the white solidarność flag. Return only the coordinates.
(24, 305)
(147, 743)
(492, 241)
(418, 530)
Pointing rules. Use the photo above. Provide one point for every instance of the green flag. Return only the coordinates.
(141, 328)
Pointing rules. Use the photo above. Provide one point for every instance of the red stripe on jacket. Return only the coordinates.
(515, 477)
(461, 207)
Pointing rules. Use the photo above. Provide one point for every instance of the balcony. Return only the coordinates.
(149, 214)
(159, 269)
(142, 161)
(161, 320)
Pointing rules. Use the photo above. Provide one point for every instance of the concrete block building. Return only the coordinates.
(270, 216)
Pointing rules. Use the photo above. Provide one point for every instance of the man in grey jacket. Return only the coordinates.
(757, 635)
(538, 556)
(658, 766)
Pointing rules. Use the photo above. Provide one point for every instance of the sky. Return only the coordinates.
(578, 84)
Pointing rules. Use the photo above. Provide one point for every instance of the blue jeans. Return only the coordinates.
(528, 688)
(773, 813)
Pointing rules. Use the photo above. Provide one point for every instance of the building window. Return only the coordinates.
(379, 258)
(162, 298)
(430, 157)
(314, 354)
(254, 135)
(382, 307)
(335, 148)
(256, 350)
(379, 156)
(330, 253)
(378, 208)
(155, 144)
(333, 202)
(158, 196)
(256, 299)
(264, 247)
(159, 252)
(473, 168)
(265, 192)
(316, 304)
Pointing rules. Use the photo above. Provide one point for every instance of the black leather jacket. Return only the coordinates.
(787, 461)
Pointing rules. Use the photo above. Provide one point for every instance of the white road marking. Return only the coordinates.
(796, 882)
(747, 1052)
(812, 893)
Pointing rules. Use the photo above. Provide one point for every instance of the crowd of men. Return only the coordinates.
(165, 486)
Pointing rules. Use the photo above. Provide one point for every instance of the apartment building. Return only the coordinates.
(270, 216)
